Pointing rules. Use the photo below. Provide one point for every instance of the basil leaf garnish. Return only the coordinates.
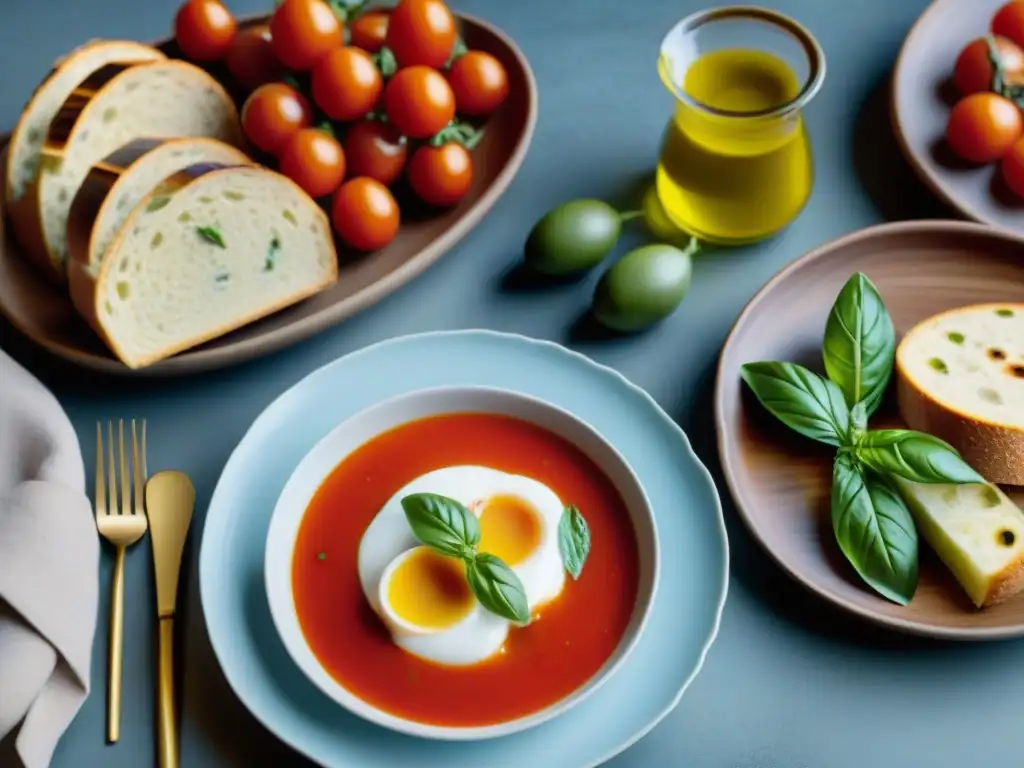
(874, 529)
(800, 399)
(573, 540)
(497, 587)
(859, 343)
(914, 456)
(442, 523)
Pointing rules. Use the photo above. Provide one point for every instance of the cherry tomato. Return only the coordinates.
(346, 84)
(419, 101)
(251, 60)
(376, 150)
(364, 214)
(204, 30)
(369, 31)
(983, 126)
(1009, 22)
(421, 32)
(441, 175)
(1013, 168)
(479, 83)
(303, 31)
(314, 161)
(274, 113)
(973, 70)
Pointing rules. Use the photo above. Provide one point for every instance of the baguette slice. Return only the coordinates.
(212, 249)
(977, 531)
(25, 147)
(960, 377)
(112, 189)
(113, 106)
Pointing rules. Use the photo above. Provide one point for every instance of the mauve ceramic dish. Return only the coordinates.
(922, 94)
(45, 315)
(781, 481)
(363, 426)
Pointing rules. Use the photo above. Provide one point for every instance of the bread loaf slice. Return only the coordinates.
(211, 249)
(977, 531)
(960, 377)
(114, 105)
(25, 147)
(115, 185)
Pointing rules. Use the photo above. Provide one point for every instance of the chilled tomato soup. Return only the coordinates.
(398, 624)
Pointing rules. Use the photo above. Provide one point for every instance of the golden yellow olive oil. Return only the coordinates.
(739, 177)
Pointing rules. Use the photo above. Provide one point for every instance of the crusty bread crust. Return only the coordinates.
(24, 211)
(994, 450)
(172, 185)
(1007, 583)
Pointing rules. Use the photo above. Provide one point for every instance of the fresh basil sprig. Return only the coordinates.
(573, 540)
(874, 529)
(859, 344)
(446, 526)
(873, 525)
(801, 399)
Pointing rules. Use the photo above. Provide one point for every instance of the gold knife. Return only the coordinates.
(170, 499)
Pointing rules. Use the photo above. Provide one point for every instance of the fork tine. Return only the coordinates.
(137, 462)
(113, 507)
(101, 490)
(145, 466)
(126, 487)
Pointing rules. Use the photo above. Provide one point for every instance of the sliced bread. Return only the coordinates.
(25, 147)
(111, 107)
(211, 249)
(116, 184)
(977, 531)
(960, 377)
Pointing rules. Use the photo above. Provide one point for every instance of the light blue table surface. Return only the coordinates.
(789, 683)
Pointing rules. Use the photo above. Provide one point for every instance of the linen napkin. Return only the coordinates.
(49, 558)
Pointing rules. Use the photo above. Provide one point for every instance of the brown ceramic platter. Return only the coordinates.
(44, 314)
(780, 481)
(922, 95)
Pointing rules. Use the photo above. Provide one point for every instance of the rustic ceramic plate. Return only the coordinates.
(45, 315)
(781, 481)
(922, 94)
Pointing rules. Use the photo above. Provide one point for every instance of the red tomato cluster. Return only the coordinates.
(987, 124)
(347, 119)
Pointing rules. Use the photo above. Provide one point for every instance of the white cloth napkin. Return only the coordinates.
(49, 558)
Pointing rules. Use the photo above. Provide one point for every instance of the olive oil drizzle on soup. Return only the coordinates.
(565, 644)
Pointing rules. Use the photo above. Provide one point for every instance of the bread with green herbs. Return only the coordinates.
(211, 249)
(960, 377)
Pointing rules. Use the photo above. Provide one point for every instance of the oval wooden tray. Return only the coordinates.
(44, 314)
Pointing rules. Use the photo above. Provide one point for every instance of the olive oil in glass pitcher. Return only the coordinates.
(735, 164)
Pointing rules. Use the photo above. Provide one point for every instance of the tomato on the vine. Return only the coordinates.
(441, 175)
(346, 84)
(1009, 22)
(204, 30)
(314, 161)
(479, 82)
(365, 214)
(419, 101)
(303, 31)
(369, 31)
(1013, 168)
(375, 149)
(973, 70)
(274, 113)
(983, 126)
(421, 32)
(251, 60)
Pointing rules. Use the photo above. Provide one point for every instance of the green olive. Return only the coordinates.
(573, 237)
(643, 287)
(658, 223)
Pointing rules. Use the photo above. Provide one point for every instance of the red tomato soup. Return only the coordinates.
(568, 640)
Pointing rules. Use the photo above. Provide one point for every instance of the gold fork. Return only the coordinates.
(122, 525)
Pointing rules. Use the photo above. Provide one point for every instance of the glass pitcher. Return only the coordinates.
(735, 164)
